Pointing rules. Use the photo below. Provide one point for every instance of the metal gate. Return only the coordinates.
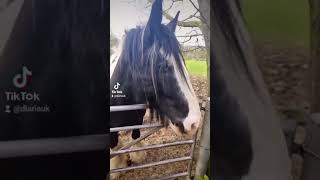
(154, 128)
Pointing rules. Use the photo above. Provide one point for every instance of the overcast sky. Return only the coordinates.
(127, 14)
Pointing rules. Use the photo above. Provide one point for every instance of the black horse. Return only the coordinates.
(247, 137)
(54, 54)
(150, 70)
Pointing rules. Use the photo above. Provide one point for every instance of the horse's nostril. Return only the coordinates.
(193, 126)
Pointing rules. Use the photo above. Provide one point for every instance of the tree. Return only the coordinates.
(195, 20)
(315, 55)
(202, 13)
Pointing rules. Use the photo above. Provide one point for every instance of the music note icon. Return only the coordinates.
(21, 80)
(116, 86)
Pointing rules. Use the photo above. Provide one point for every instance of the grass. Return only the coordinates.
(283, 21)
(196, 67)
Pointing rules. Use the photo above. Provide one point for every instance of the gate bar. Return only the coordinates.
(128, 107)
(151, 164)
(138, 140)
(156, 146)
(49, 146)
(147, 134)
(127, 128)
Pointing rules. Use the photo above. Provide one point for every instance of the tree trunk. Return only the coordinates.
(204, 8)
(315, 55)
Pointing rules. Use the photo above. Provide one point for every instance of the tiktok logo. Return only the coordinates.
(117, 93)
(21, 80)
(116, 86)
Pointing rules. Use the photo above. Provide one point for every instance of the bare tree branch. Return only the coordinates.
(173, 2)
(198, 17)
(188, 36)
(184, 41)
(203, 19)
(193, 49)
(191, 16)
(194, 5)
(170, 6)
(183, 23)
(180, 23)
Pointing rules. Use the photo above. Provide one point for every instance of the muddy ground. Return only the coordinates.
(285, 71)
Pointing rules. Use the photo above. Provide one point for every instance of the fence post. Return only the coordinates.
(204, 145)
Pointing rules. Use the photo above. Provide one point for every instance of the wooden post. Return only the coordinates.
(315, 55)
(204, 144)
(203, 155)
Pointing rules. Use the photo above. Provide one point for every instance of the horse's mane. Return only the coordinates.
(138, 52)
(140, 57)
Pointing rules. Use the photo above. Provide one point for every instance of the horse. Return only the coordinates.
(247, 136)
(54, 54)
(150, 69)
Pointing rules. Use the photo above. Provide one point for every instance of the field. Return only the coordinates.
(280, 30)
(197, 67)
(283, 21)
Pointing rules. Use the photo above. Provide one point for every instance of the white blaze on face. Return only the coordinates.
(191, 122)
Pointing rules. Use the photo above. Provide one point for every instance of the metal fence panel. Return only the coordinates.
(128, 107)
(156, 128)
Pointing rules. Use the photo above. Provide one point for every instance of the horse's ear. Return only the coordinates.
(154, 22)
(173, 23)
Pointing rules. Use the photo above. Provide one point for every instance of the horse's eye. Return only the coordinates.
(165, 66)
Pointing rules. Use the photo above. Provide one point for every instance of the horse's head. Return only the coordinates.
(158, 72)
